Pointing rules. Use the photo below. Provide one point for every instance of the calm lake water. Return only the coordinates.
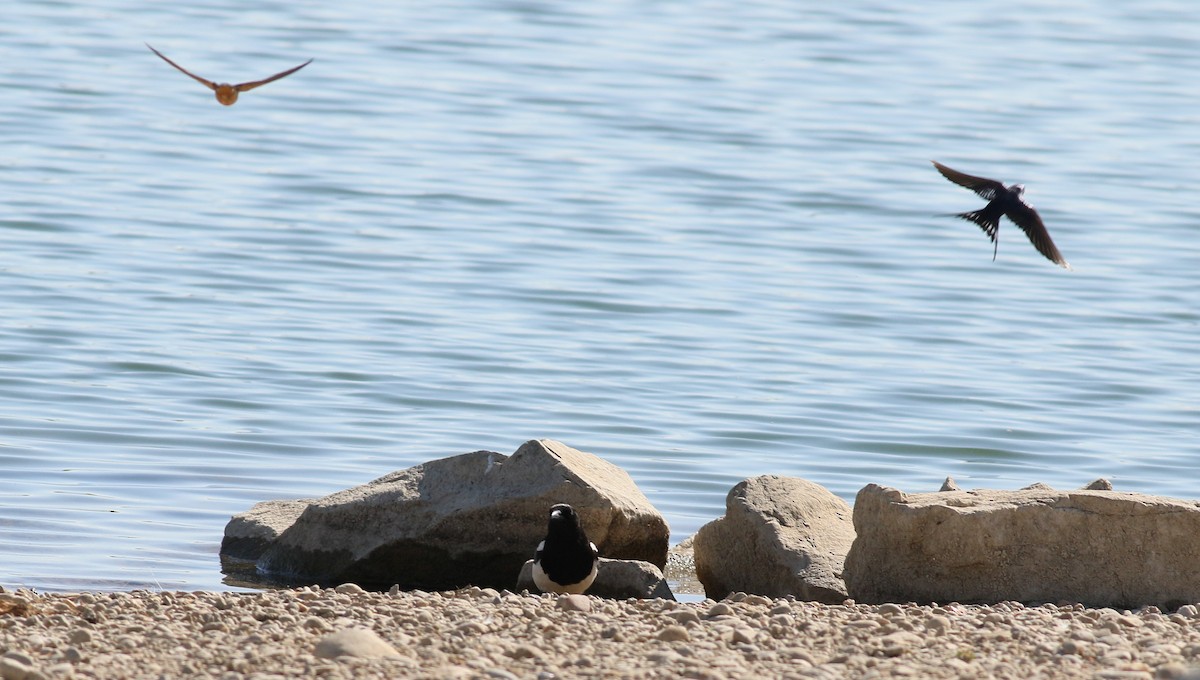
(701, 240)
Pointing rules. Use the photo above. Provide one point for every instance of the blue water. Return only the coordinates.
(701, 240)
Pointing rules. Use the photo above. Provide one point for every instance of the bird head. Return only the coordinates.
(562, 512)
(1018, 189)
(563, 521)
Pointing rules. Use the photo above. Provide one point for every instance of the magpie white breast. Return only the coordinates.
(565, 561)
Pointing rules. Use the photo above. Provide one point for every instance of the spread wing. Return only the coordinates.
(1024, 216)
(986, 188)
(243, 87)
(208, 83)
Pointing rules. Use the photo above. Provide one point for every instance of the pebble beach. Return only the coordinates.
(346, 632)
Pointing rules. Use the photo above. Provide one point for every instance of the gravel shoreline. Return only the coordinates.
(482, 633)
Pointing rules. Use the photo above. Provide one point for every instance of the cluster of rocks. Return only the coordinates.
(346, 632)
(474, 520)
(1094, 546)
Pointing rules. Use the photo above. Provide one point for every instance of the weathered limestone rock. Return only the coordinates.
(1100, 548)
(471, 519)
(615, 580)
(249, 534)
(779, 536)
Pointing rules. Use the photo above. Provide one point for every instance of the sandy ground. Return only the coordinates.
(480, 633)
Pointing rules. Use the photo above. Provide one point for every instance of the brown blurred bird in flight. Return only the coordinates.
(1006, 201)
(228, 94)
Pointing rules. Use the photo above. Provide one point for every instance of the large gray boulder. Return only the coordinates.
(471, 519)
(779, 536)
(615, 580)
(1097, 547)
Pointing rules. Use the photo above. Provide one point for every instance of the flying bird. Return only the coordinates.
(565, 561)
(228, 94)
(1006, 201)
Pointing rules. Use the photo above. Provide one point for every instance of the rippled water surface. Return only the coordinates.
(702, 240)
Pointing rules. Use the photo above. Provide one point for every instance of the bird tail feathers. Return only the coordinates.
(988, 221)
(985, 220)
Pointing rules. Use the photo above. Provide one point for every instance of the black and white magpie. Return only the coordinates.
(565, 561)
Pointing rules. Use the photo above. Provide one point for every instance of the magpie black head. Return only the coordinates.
(563, 521)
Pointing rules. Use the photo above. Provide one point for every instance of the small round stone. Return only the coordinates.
(675, 633)
(685, 616)
(355, 642)
(938, 625)
(890, 609)
(720, 609)
(574, 603)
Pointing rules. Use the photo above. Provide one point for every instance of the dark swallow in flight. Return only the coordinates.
(228, 94)
(1006, 201)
